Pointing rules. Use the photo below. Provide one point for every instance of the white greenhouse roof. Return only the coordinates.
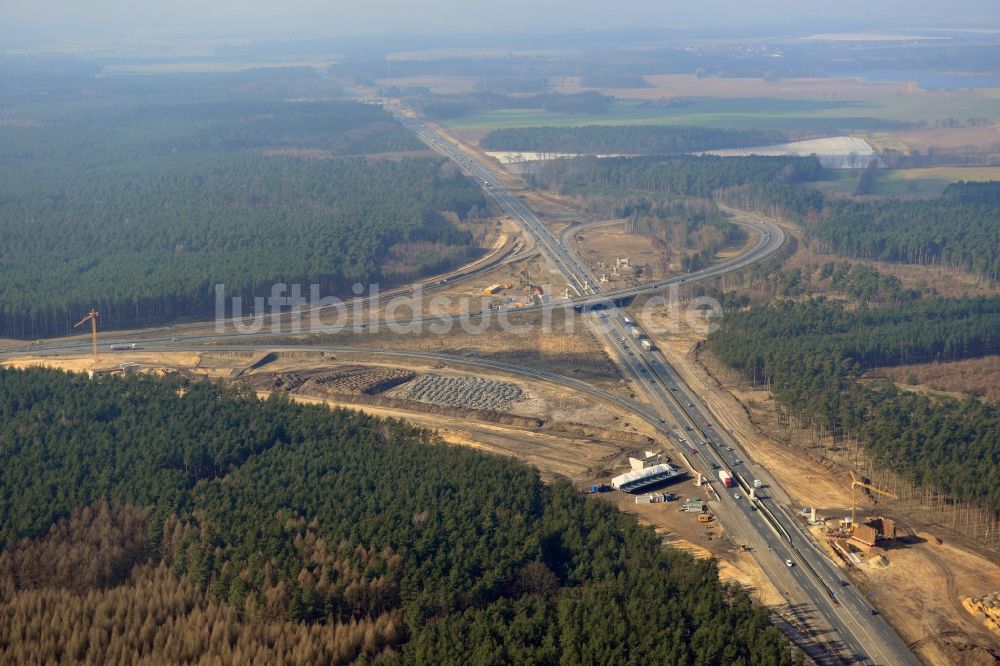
(837, 152)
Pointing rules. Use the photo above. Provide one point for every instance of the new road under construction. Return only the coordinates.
(776, 537)
(751, 508)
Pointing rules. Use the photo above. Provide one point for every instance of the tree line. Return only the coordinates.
(444, 106)
(959, 229)
(691, 176)
(812, 356)
(629, 139)
(142, 220)
(228, 523)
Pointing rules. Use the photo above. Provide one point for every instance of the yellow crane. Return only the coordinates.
(92, 318)
(855, 484)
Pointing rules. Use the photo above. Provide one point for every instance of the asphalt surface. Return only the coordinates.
(812, 585)
(776, 539)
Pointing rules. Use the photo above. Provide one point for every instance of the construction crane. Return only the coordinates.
(855, 483)
(92, 318)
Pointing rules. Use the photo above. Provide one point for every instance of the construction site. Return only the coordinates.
(932, 585)
(595, 442)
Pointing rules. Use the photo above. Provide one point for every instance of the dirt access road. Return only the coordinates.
(920, 585)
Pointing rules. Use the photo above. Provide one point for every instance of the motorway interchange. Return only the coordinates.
(774, 536)
(784, 551)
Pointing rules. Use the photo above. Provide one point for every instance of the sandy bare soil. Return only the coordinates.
(602, 247)
(574, 459)
(920, 588)
(943, 280)
(110, 361)
(557, 453)
(920, 591)
(979, 377)
(682, 530)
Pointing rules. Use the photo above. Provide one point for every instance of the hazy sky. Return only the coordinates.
(31, 19)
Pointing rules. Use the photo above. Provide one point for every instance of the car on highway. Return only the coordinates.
(872, 611)
(789, 563)
(693, 450)
(708, 425)
(690, 404)
(729, 448)
(673, 388)
(736, 496)
(737, 462)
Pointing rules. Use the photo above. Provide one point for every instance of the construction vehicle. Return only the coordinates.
(492, 289)
(855, 484)
(92, 318)
(704, 518)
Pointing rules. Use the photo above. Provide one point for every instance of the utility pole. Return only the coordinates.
(92, 318)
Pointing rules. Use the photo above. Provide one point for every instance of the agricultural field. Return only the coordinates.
(666, 86)
(803, 115)
(926, 182)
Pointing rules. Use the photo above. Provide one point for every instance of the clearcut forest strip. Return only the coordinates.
(959, 229)
(139, 211)
(812, 355)
(345, 534)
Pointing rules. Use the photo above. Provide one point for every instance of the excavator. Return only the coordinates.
(858, 483)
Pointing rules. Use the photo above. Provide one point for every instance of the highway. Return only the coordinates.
(772, 533)
(774, 536)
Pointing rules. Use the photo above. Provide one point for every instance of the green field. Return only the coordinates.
(763, 112)
(929, 182)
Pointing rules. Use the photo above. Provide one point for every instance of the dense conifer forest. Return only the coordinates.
(182, 520)
(628, 139)
(812, 356)
(680, 175)
(959, 229)
(140, 210)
